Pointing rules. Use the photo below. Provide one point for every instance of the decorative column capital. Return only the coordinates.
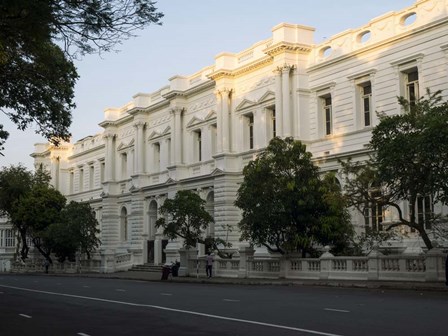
(285, 68)
(109, 135)
(139, 124)
(177, 110)
(225, 92)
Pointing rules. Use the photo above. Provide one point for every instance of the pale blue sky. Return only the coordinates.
(192, 34)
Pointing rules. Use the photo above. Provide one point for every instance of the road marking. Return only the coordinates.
(230, 300)
(86, 286)
(82, 334)
(23, 315)
(166, 294)
(120, 290)
(337, 310)
(218, 317)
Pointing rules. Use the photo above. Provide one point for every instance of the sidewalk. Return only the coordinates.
(389, 285)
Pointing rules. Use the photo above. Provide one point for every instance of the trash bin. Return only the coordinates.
(175, 269)
(166, 270)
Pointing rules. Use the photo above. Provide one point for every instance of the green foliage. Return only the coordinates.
(39, 211)
(76, 231)
(37, 76)
(16, 182)
(185, 216)
(286, 206)
(410, 159)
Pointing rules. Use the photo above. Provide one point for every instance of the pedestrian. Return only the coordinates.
(209, 264)
(46, 265)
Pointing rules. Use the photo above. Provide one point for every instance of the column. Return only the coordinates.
(287, 120)
(177, 135)
(226, 119)
(139, 159)
(278, 102)
(218, 121)
(110, 156)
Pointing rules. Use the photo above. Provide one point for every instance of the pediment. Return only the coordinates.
(123, 145)
(267, 96)
(167, 130)
(211, 115)
(170, 181)
(216, 172)
(245, 104)
(194, 121)
(154, 134)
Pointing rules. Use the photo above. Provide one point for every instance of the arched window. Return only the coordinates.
(124, 224)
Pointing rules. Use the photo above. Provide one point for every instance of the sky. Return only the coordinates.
(192, 34)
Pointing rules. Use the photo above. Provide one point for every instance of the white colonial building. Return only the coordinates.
(199, 131)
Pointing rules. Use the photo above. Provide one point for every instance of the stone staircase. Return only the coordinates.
(147, 268)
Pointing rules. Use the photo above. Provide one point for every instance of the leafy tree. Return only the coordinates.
(16, 182)
(36, 211)
(37, 75)
(409, 160)
(185, 216)
(286, 206)
(76, 232)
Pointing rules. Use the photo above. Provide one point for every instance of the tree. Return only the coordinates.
(185, 216)
(37, 76)
(36, 211)
(76, 231)
(409, 160)
(286, 206)
(16, 182)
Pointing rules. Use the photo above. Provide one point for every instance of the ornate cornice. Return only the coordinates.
(283, 47)
(227, 73)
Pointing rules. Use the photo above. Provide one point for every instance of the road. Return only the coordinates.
(49, 305)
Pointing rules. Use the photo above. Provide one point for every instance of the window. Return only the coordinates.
(425, 211)
(250, 121)
(373, 213)
(103, 170)
(366, 105)
(81, 179)
(168, 144)
(411, 80)
(72, 181)
(9, 238)
(197, 135)
(91, 176)
(124, 165)
(156, 156)
(273, 123)
(124, 224)
(326, 101)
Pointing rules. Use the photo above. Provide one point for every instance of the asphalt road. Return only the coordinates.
(47, 305)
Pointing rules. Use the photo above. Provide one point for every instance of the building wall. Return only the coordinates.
(150, 147)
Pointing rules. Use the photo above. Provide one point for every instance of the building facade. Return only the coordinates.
(199, 131)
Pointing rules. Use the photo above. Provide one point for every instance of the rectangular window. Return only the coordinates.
(367, 104)
(72, 182)
(327, 115)
(124, 165)
(157, 156)
(412, 91)
(425, 211)
(103, 170)
(198, 145)
(9, 238)
(251, 131)
(81, 179)
(273, 123)
(91, 176)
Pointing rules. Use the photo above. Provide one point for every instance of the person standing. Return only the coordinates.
(46, 265)
(209, 265)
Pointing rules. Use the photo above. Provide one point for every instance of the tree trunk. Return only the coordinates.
(425, 237)
(25, 248)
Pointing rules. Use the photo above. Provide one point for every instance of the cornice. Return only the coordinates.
(88, 151)
(283, 47)
(380, 44)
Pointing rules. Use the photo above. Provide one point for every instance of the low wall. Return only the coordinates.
(419, 268)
